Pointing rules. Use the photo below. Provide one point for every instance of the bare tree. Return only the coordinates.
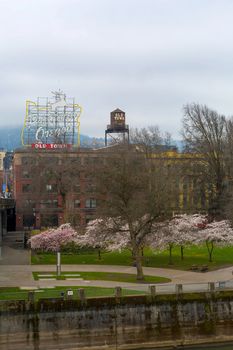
(150, 139)
(54, 178)
(134, 193)
(204, 134)
(228, 160)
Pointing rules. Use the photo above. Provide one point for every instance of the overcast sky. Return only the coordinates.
(147, 57)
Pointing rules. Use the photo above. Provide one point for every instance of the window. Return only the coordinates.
(76, 188)
(28, 220)
(90, 187)
(76, 161)
(185, 194)
(26, 188)
(25, 160)
(48, 203)
(29, 203)
(98, 161)
(86, 161)
(28, 161)
(77, 203)
(90, 203)
(89, 183)
(92, 161)
(51, 188)
(52, 160)
(25, 174)
(49, 220)
(89, 218)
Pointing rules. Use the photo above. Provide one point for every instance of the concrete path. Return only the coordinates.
(14, 256)
(21, 275)
(15, 271)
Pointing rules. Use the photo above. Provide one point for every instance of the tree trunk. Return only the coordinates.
(210, 250)
(142, 251)
(170, 255)
(137, 254)
(99, 254)
(138, 262)
(140, 276)
(63, 200)
(182, 252)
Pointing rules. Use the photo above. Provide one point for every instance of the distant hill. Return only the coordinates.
(10, 139)
(179, 144)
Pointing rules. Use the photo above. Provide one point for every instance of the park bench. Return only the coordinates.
(194, 268)
(197, 268)
(204, 268)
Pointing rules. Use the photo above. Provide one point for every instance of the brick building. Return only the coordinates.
(55, 186)
(40, 198)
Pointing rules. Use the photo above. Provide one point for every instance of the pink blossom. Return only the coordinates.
(53, 239)
(217, 232)
(102, 234)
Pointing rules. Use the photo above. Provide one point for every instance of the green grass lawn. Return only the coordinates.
(91, 292)
(192, 256)
(105, 276)
(12, 293)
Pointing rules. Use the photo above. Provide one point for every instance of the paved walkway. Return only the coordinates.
(14, 256)
(21, 275)
(15, 271)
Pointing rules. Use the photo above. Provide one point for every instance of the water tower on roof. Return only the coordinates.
(117, 126)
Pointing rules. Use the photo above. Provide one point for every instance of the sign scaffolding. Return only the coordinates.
(52, 122)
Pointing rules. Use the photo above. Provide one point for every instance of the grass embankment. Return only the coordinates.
(101, 276)
(222, 257)
(90, 292)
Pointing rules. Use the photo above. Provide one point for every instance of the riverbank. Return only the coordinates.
(134, 322)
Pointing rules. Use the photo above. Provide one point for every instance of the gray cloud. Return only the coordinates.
(148, 57)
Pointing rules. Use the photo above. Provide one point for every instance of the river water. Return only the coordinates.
(209, 347)
(203, 347)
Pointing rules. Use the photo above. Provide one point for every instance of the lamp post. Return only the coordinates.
(58, 263)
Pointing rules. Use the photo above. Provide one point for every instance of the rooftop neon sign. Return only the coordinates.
(52, 120)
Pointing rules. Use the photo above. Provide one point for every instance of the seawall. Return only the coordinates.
(117, 323)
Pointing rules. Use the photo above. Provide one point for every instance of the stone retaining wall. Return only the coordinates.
(117, 323)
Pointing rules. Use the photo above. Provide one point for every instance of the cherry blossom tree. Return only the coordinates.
(101, 234)
(165, 238)
(112, 234)
(52, 240)
(134, 192)
(216, 233)
(179, 231)
(185, 227)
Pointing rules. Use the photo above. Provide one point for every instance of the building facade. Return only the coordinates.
(54, 177)
(56, 186)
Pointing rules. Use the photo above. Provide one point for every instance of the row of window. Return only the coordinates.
(29, 220)
(30, 161)
(53, 203)
(52, 188)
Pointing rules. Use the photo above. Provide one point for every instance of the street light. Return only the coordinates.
(58, 263)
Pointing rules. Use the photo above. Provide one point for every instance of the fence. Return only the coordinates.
(191, 287)
(82, 293)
